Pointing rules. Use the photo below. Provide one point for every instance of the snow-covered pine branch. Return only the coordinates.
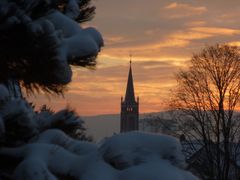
(39, 40)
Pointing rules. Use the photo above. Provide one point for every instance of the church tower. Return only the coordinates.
(129, 107)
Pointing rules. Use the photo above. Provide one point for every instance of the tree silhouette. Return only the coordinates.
(66, 120)
(206, 101)
(40, 40)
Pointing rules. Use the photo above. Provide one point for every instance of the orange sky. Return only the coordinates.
(161, 35)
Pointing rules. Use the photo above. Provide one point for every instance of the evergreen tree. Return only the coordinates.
(39, 40)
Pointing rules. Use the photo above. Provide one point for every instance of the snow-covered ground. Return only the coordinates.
(51, 153)
(129, 156)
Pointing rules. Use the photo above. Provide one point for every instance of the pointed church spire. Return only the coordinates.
(129, 107)
(130, 96)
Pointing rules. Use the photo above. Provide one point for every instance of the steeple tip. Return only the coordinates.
(129, 96)
(130, 61)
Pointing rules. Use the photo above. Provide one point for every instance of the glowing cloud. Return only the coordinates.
(176, 5)
(195, 23)
(179, 10)
(234, 43)
(216, 30)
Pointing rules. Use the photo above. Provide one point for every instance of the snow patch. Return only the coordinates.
(42, 159)
(134, 148)
(58, 137)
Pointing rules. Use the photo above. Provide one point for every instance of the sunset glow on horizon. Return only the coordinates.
(161, 36)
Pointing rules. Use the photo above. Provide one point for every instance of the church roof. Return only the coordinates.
(130, 96)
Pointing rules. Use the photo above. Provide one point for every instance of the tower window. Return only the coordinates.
(129, 109)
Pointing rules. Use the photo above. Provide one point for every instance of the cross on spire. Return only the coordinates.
(130, 56)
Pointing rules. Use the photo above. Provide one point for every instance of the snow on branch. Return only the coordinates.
(39, 40)
(58, 137)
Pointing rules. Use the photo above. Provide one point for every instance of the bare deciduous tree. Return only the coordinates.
(206, 103)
